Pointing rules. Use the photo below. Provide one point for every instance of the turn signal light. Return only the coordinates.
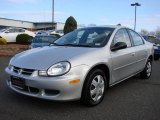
(74, 81)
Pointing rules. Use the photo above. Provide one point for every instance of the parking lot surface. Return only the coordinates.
(133, 99)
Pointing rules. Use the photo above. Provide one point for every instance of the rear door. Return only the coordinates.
(122, 60)
(140, 50)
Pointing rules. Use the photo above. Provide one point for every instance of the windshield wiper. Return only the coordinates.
(83, 45)
(55, 44)
(73, 45)
(76, 45)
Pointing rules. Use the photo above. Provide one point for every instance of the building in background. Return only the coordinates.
(5, 23)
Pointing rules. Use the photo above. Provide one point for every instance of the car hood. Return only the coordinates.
(43, 58)
(34, 45)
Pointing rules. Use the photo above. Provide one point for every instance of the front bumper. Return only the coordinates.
(52, 88)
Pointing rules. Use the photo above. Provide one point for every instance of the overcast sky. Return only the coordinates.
(100, 12)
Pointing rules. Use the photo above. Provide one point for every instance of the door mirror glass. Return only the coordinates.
(118, 46)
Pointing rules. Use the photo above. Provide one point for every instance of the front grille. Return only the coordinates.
(28, 89)
(51, 92)
(16, 69)
(23, 71)
(33, 90)
(27, 71)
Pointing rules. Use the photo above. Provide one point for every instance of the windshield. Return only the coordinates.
(59, 31)
(44, 39)
(86, 37)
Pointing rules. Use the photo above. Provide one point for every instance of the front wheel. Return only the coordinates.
(94, 88)
(146, 73)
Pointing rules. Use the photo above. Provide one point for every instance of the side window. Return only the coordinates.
(137, 40)
(122, 36)
(21, 30)
(16, 30)
(11, 30)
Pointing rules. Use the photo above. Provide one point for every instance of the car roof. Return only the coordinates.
(45, 36)
(106, 26)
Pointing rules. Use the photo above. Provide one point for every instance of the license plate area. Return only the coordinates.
(18, 82)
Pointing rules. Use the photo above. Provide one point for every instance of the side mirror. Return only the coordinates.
(118, 46)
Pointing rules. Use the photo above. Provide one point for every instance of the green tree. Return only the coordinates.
(23, 39)
(70, 25)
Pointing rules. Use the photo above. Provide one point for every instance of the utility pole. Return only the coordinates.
(135, 5)
(52, 14)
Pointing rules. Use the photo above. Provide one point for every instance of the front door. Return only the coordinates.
(122, 60)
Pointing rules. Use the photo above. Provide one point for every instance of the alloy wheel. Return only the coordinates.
(148, 69)
(97, 88)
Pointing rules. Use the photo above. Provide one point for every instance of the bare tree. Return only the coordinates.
(157, 33)
(152, 33)
(144, 32)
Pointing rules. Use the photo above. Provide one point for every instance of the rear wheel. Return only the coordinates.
(146, 73)
(94, 88)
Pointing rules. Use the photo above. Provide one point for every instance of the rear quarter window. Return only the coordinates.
(137, 39)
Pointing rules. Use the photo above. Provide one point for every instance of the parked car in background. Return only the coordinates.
(81, 64)
(10, 34)
(42, 40)
(59, 32)
(41, 32)
(49, 31)
(156, 43)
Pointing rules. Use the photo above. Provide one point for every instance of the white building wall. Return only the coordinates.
(16, 23)
(29, 25)
(60, 26)
(42, 25)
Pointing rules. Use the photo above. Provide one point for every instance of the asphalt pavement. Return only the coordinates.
(133, 99)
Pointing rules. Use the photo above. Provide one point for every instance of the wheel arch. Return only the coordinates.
(101, 66)
(150, 57)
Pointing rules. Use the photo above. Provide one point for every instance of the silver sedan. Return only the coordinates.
(81, 64)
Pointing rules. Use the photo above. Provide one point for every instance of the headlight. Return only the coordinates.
(56, 69)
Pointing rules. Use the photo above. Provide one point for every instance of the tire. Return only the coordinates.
(146, 73)
(94, 88)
